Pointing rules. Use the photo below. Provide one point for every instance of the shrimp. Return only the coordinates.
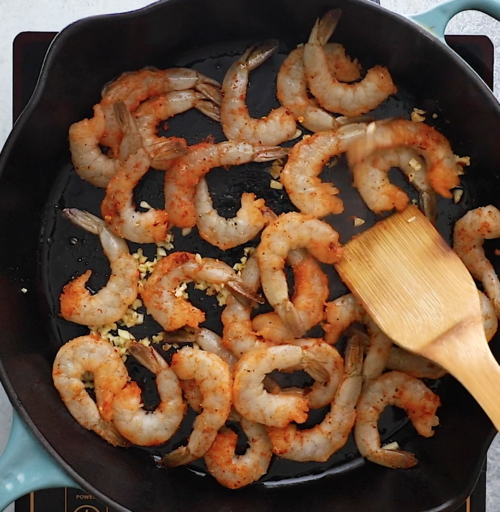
(134, 87)
(306, 161)
(74, 360)
(117, 207)
(131, 420)
(311, 290)
(333, 95)
(277, 127)
(372, 182)
(235, 471)
(340, 314)
(323, 440)
(408, 393)
(111, 302)
(169, 308)
(253, 402)
(442, 168)
(152, 112)
(228, 233)
(292, 231)
(183, 177)
(291, 87)
(378, 351)
(468, 237)
(213, 377)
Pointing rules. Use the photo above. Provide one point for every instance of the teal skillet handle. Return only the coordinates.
(436, 18)
(25, 466)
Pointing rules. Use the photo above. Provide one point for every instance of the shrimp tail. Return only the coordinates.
(241, 291)
(209, 108)
(146, 356)
(211, 92)
(269, 153)
(316, 369)
(176, 458)
(291, 318)
(132, 139)
(164, 152)
(324, 28)
(394, 458)
(108, 432)
(84, 220)
(259, 54)
(427, 203)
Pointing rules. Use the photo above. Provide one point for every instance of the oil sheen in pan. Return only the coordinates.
(68, 251)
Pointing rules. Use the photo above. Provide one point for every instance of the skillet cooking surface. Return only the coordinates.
(61, 259)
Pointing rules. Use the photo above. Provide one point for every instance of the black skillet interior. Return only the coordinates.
(37, 181)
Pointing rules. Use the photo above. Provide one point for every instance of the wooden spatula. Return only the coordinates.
(421, 295)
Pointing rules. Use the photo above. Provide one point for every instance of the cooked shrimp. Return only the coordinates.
(468, 238)
(131, 420)
(253, 402)
(213, 377)
(154, 111)
(169, 308)
(490, 319)
(276, 127)
(323, 440)
(333, 95)
(340, 314)
(183, 177)
(408, 393)
(111, 302)
(228, 233)
(311, 290)
(137, 86)
(307, 160)
(291, 87)
(292, 231)
(235, 471)
(372, 182)
(442, 168)
(378, 351)
(74, 360)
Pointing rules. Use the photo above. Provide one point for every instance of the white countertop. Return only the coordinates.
(54, 15)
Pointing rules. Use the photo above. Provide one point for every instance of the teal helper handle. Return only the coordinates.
(436, 18)
(25, 466)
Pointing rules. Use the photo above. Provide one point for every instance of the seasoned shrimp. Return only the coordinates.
(253, 402)
(372, 182)
(340, 314)
(131, 420)
(111, 302)
(74, 360)
(292, 231)
(137, 86)
(307, 160)
(333, 95)
(154, 111)
(213, 377)
(408, 393)
(442, 168)
(276, 127)
(228, 233)
(235, 471)
(323, 440)
(183, 177)
(468, 238)
(169, 308)
(291, 87)
(311, 290)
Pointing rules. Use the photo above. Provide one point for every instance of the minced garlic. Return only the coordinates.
(275, 169)
(415, 164)
(276, 185)
(358, 221)
(457, 195)
(417, 116)
(186, 231)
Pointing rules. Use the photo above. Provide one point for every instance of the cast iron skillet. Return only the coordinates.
(37, 255)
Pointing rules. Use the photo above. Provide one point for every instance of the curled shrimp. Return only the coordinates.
(235, 471)
(154, 111)
(291, 87)
(228, 233)
(442, 168)
(468, 237)
(111, 302)
(311, 290)
(292, 231)
(333, 95)
(93, 355)
(182, 178)
(372, 182)
(213, 377)
(251, 399)
(306, 161)
(340, 314)
(276, 127)
(131, 420)
(169, 308)
(134, 87)
(323, 440)
(408, 393)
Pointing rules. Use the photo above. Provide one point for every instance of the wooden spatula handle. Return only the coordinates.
(464, 352)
